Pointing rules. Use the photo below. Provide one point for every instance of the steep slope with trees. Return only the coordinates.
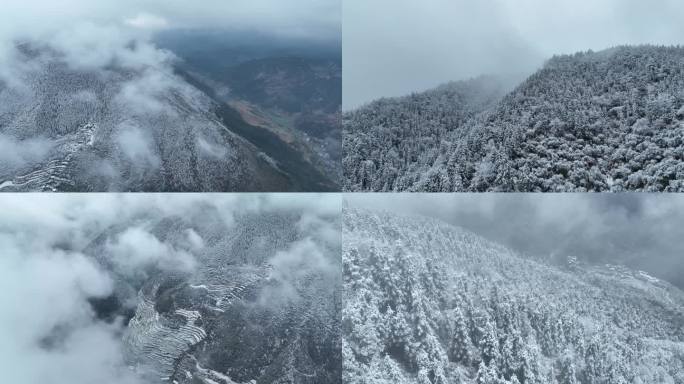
(391, 143)
(69, 127)
(288, 87)
(426, 302)
(251, 309)
(593, 121)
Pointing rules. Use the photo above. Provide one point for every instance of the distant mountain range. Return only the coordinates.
(427, 302)
(593, 121)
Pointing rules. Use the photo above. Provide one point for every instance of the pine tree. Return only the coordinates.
(486, 374)
(567, 374)
(461, 343)
(489, 345)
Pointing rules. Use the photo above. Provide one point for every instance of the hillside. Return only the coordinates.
(242, 315)
(132, 128)
(593, 121)
(390, 143)
(426, 302)
(291, 88)
(296, 97)
(293, 84)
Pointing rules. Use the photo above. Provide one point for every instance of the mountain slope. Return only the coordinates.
(604, 121)
(292, 84)
(296, 97)
(390, 143)
(290, 87)
(289, 157)
(121, 128)
(240, 315)
(426, 302)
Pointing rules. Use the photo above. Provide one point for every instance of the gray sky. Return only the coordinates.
(643, 231)
(71, 22)
(311, 18)
(394, 47)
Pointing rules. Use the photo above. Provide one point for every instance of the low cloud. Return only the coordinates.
(48, 329)
(135, 250)
(321, 227)
(147, 21)
(212, 150)
(49, 333)
(641, 231)
(15, 153)
(194, 240)
(304, 259)
(301, 259)
(452, 40)
(137, 146)
(68, 22)
(143, 94)
(86, 45)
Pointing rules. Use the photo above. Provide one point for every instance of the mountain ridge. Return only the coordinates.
(234, 317)
(592, 121)
(410, 282)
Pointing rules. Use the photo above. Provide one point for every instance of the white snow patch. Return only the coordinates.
(680, 112)
(218, 375)
(648, 277)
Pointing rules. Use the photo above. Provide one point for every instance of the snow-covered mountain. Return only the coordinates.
(593, 121)
(427, 302)
(171, 288)
(241, 314)
(390, 144)
(123, 127)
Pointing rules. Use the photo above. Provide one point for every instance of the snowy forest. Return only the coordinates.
(429, 303)
(592, 121)
(170, 289)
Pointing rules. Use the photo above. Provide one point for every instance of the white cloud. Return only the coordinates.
(300, 259)
(304, 258)
(641, 231)
(87, 45)
(40, 18)
(321, 227)
(147, 21)
(15, 153)
(137, 146)
(143, 94)
(194, 239)
(92, 33)
(457, 39)
(212, 150)
(48, 330)
(135, 249)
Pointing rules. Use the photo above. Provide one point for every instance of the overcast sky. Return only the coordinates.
(394, 47)
(300, 18)
(643, 231)
(98, 29)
